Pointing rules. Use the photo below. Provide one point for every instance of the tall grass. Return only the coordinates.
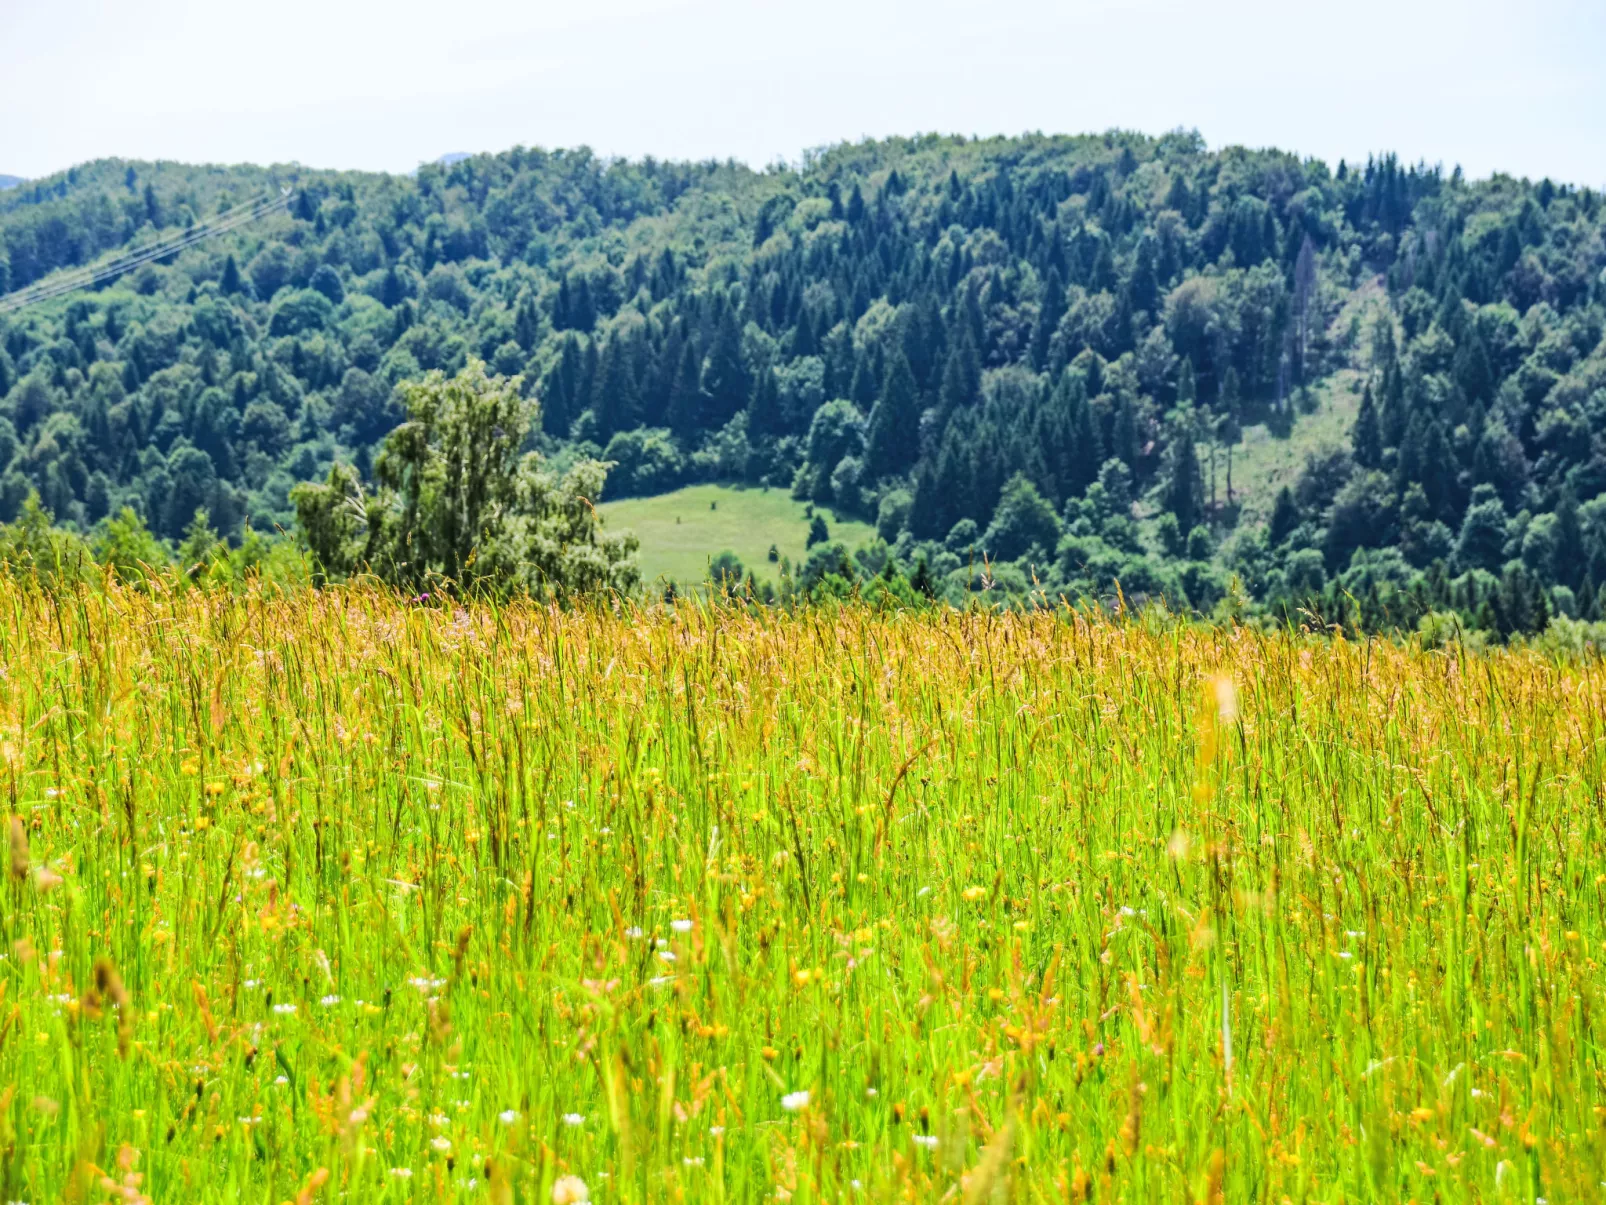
(327, 897)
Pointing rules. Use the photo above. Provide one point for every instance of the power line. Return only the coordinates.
(167, 246)
(86, 277)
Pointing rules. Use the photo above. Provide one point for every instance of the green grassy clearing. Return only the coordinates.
(682, 531)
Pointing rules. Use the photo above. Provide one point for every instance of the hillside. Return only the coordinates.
(1041, 350)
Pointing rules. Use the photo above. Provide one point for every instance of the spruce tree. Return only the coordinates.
(892, 440)
(1367, 436)
(1049, 313)
(684, 412)
(526, 323)
(1184, 489)
(961, 376)
(764, 411)
(1570, 554)
(230, 284)
(1284, 517)
(726, 384)
(1187, 384)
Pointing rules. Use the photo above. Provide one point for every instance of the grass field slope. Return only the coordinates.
(328, 897)
(681, 532)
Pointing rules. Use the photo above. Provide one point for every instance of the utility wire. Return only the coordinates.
(86, 277)
(163, 246)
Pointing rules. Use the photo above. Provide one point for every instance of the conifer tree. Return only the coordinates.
(684, 412)
(1367, 436)
(892, 440)
(764, 411)
(1184, 489)
(1049, 313)
(726, 385)
(230, 282)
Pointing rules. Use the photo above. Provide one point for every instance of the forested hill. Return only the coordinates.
(1046, 351)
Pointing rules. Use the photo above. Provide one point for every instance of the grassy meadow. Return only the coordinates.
(682, 531)
(323, 897)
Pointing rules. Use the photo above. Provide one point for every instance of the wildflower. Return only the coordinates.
(681, 926)
(574, 1119)
(285, 1010)
(692, 1161)
(634, 933)
(441, 1143)
(402, 1173)
(281, 1080)
(508, 1116)
(716, 1131)
(666, 955)
(329, 1001)
(793, 1101)
(929, 1141)
(972, 894)
(570, 1190)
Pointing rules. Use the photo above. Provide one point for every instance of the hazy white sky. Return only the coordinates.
(1510, 85)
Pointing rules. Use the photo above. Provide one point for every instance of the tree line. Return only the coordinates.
(1040, 355)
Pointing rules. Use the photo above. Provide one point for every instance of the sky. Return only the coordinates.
(1491, 85)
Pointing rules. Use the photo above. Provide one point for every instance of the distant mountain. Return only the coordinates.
(10, 182)
(452, 157)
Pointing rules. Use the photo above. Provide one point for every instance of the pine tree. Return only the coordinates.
(892, 440)
(1284, 517)
(961, 376)
(231, 283)
(1143, 286)
(1570, 554)
(1187, 384)
(684, 412)
(855, 213)
(764, 410)
(726, 384)
(526, 323)
(1184, 490)
(614, 398)
(1367, 436)
(867, 379)
(1088, 454)
(1049, 313)
(1124, 432)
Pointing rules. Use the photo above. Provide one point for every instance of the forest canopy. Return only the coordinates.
(1040, 352)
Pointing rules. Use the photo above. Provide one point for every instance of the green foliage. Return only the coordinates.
(912, 318)
(459, 507)
(1023, 521)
